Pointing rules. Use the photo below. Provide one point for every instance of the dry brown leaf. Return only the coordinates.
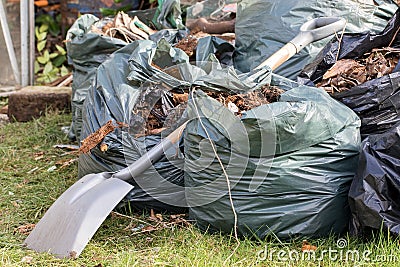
(103, 147)
(148, 228)
(73, 254)
(25, 229)
(342, 66)
(27, 259)
(179, 219)
(306, 246)
(125, 28)
(38, 155)
(66, 163)
(180, 98)
(137, 31)
(156, 131)
(159, 217)
(152, 215)
(96, 30)
(245, 102)
(23, 183)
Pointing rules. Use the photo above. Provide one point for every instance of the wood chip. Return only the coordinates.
(95, 138)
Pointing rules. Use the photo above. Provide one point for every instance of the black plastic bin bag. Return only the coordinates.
(374, 195)
(376, 101)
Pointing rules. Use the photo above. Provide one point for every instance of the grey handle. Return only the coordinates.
(311, 31)
(152, 156)
(317, 29)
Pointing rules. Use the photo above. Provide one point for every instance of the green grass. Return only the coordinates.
(28, 189)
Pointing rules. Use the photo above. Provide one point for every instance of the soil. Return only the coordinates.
(188, 45)
(347, 73)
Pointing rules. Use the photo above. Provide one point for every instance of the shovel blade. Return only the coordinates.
(75, 216)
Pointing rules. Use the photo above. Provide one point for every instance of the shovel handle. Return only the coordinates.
(311, 31)
(152, 156)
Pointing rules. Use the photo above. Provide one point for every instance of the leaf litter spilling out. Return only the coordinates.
(239, 103)
(159, 109)
(154, 222)
(347, 73)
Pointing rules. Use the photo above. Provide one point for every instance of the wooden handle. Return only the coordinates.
(279, 57)
(176, 135)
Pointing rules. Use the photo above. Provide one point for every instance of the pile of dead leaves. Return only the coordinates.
(239, 103)
(153, 118)
(125, 28)
(158, 109)
(347, 73)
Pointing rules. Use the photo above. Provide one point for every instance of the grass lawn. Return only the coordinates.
(29, 184)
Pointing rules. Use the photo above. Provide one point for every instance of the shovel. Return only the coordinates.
(75, 216)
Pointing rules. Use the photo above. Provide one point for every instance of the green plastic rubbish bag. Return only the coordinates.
(86, 51)
(114, 94)
(289, 165)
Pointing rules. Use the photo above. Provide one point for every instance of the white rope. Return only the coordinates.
(223, 170)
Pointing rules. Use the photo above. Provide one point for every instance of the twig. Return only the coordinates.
(394, 37)
(128, 217)
(58, 81)
(340, 41)
(141, 5)
(65, 81)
